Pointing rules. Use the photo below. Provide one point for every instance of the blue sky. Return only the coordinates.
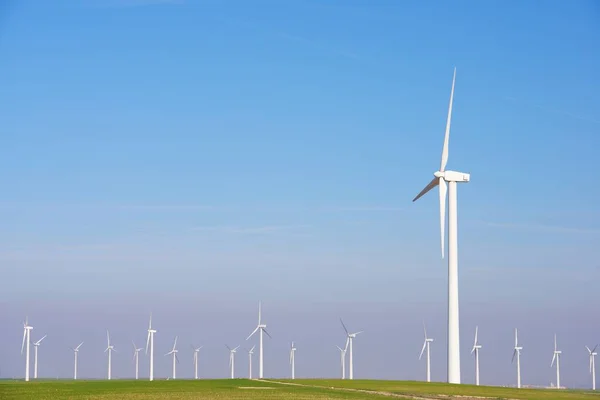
(192, 157)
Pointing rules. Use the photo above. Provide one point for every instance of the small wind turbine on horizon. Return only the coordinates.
(440, 179)
(26, 338)
(175, 358)
(150, 341)
(593, 355)
(232, 359)
(517, 353)
(35, 356)
(556, 357)
(75, 352)
(250, 352)
(351, 337)
(260, 328)
(136, 359)
(475, 350)
(110, 349)
(196, 351)
(293, 360)
(343, 357)
(426, 344)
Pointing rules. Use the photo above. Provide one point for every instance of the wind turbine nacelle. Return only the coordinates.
(453, 176)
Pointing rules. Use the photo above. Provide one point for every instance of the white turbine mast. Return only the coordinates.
(440, 179)
(475, 349)
(196, 351)
(175, 358)
(232, 359)
(150, 341)
(136, 359)
(343, 357)
(26, 338)
(76, 353)
(351, 337)
(260, 328)
(110, 349)
(35, 356)
(293, 360)
(593, 355)
(426, 344)
(517, 354)
(556, 357)
(250, 352)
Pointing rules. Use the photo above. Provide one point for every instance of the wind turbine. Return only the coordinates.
(343, 357)
(475, 349)
(556, 357)
(196, 350)
(26, 338)
(175, 358)
(426, 344)
(593, 355)
(293, 360)
(232, 359)
(517, 353)
(260, 328)
(136, 358)
(250, 352)
(440, 179)
(150, 341)
(76, 352)
(350, 339)
(35, 356)
(110, 349)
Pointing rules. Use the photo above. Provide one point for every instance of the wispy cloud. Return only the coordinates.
(542, 228)
(250, 230)
(554, 110)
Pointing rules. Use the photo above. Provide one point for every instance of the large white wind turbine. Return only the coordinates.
(517, 353)
(26, 338)
(293, 360)
(440, 179)
(343, 357)
(260, 328)
(250, 352)
(35, 356)
(110, 349)
(426, 344)
(350, 339)
(76, 352)
(556, 357)
(476, 347)
(136, 359)
(232, 359)
(175, 358)
(593, 355)
(196, 351)
(150, 341)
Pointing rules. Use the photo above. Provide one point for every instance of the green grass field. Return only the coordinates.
(268, 390)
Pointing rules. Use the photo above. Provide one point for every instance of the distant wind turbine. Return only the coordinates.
(517, 353)
(293, 360)
(35, 356)
(556, 357)
(343, 357)
(440, 179)
(250, 352)
(593, 355)
(76, 352)
(260, 328)
(26, 338)
(426, 344)
(232, 359)
(150, 341)
(350, 339)
(196, 351)
(110, 349)
(475, 350)
(136, 359)
(175, 358)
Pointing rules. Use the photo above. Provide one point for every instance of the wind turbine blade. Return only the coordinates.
(475, 343)
(147, 342)
(339, 348)
(176, 358)
(253, 332)
(588, 349)
(134, 348)
(356, 333)
(447, 134)
(443, 190)
(175, 343)
(513, 357)
(107, 338)
(424, 330)
(228, 348)
(77, 348)
(291, 351)
(591, 362)
(344, 326)
(434, 182)
(594, 349)
(422, 349)
(259, 311)
(236, 348)
(553, 358)
(347, 343)
(40, 341)
(115, 350)
(516, 338)
(265, 331)
(252, 349)
(555, 342)
(23, 343)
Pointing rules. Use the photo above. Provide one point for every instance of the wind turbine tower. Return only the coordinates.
(76, 353)
(136, 358)
(150, 341)
(260, 328)
(110, 349)
(232, 359)
(451, 178)
(556, 357)
(476, 347)
(293, 360)
(250, 352)
(517, 354)
(196, 351)
(35, 356)
(426, 345)
(343, 357)
(175, 358)
(593, 355)
(351, 337)
(26, 338)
